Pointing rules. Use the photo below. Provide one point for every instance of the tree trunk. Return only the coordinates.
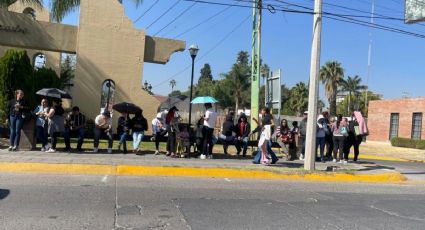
(349, 103)
(332, 105)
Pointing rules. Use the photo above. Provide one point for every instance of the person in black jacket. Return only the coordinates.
(139, 125)
(226, 134)
(123, 130)
(16, 114)
(354, 139)
(242, 129)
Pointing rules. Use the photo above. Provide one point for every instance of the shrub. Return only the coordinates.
(408, 143)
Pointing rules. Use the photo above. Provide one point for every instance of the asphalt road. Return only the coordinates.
(29, 201)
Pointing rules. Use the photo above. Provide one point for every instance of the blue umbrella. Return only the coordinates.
(203, 100)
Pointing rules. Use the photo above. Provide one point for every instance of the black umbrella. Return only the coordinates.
(53, 92)
(125, 107)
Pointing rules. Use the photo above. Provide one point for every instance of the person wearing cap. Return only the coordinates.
(171, 121)
(102, 127)
(303, 133)
(75, 123)
(139, 125)
(158, 131)
(56, 124)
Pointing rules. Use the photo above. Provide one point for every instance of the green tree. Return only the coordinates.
(175, 93)
(358, 103)
(298, 101)
(67, 73)
(331, 75)
(173, 84)
(353, 87)
(205, 73)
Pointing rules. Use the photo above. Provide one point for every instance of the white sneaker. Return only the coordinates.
(95, 150)
(301, 157)
(109, 150)
(10, 148)
(51, 150)
(203, 157)
(43, 149)
(15, 148)
(334, 160)
(156, 152)
(345, 162)
(341, 161)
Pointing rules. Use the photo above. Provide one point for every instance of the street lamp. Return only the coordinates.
(193, 49)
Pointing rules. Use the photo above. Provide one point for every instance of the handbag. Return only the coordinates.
(344, 131)
(357, 130)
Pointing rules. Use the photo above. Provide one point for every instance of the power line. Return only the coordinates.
(208, 51)
(178, 16)
(143, 14)
(162, 15)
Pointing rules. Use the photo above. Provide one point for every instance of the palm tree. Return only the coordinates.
(173, 83)
(298, 101)
(331, 75)
(352, 86)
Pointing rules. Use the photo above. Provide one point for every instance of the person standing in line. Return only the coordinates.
(56, 123)
(139, 125)
(210, 118)
(266, 120)
(16, 114)
(103, 126)
(199, 138)
(75, 123)
(328, 137)
(171, 121)
(123, 130)
(355, 134)
(158, 131)
(303, 133)
(296, 136)
(41, 123)
(243, 128)
(339, 130)
(322, 130)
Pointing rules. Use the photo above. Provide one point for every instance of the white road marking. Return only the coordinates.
(227, 179)
(105, 179)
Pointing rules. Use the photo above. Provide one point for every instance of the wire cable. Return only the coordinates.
(162, 15)
(178, 16)
(143, 14)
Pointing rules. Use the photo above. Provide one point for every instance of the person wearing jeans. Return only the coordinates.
(243, 128)
(41, 123)
(123, 130)
(339, 129)
(75, 123)
(321, 136)
(103, 127)
(158, 131)
(56, 123)
(139, 125)
(16, 107)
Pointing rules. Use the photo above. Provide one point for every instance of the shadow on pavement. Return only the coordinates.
(4, 193)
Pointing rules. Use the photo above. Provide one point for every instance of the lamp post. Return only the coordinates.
(193, 50)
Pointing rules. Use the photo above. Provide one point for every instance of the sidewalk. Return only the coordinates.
(220, 167)
(384, 151)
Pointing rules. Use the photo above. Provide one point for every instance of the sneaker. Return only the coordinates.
(10, 148)
(152, 138)
(51, 150)
(156, 152)
(109, 150)
(15, 148)
(210, 156)
(301, 157)
(345, 162)
(43, 149)
(95, 150)
(341, 161)
(334, 160)
(203, 157)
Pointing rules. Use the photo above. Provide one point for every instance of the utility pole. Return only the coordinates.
(255, 61)
(310, 150)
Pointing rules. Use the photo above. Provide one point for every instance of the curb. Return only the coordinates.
(373, 157)
(134, 170)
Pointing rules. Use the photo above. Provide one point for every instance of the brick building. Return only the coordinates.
(396, 118)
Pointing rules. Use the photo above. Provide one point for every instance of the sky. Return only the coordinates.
(397, 60)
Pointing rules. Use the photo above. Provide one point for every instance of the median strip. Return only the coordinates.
(134, 170)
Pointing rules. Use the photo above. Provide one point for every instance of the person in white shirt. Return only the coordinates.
(158, 131)
(103, 127)
(210, 118)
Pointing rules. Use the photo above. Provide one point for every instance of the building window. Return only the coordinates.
(107, 97)
(416, 126)
(394, 123)
(39, 61)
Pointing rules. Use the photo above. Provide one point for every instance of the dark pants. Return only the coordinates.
(54, 139)
(244, 143)
(99, 133)
(352, 141)
(302, 143)
(171, 142)
(67, 136)
(158, 137)
(329, 145)
(41, 135)
(320, 143)
(16, 123)
(123, 141)
(208, 144)
(227, 140)
(339, 142)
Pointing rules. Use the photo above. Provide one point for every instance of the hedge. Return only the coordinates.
(408, 143)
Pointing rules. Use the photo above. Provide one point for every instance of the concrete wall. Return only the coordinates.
(109, 47)
(380, 114)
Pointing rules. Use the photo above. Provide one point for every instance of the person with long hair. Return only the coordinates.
(172, 128)
(266, 126)
(242, 129)
(16, 114)
(56, 123)
(339, 130)
(285, 138)
(354, 138)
